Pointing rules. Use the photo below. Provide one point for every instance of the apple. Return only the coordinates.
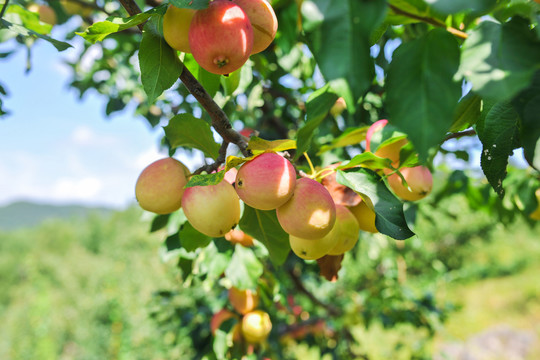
(345, 231)
(263, 20)
(390, 151)
(418, 178)
(256, 326)
(160, 186)
(176, 24)
(221, 37)
(236, 236)
(77, 8)
(365, 217)
(243, 301)
(338, 107)
(219, 318)
(213, 209)
(310, 213)
(266, 182)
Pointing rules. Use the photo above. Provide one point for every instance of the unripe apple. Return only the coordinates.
(76, 8)
(390, 151)
(535, 215)
(418, 178)
(263, 20)
(338, 107)
(236, 236)
(212, 210)
(243, 301)
(256, 326)
(46, 13)
(345, 231)
(160, 186)
(266, 182)
(365, 217)
(176, 24)
(310, 213)
(221, 37)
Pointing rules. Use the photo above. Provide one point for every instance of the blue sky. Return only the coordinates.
(57, 149)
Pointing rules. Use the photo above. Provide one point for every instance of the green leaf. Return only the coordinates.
(159, 222)
(100, 30)
(264, 226)
(317, 107)
(160, 66)
(191, 239)
(338, 35)
(28, 19)
(500, 60)
(244, 269)
(22, 31)
(190, 4)
(467, 112)
(351, 136)
(527, 104)
(369, 158)
(188, 131)
(499, 135)
(421, 92)
(210, 82)
(205, 179)
(456, 6)
(390, 218)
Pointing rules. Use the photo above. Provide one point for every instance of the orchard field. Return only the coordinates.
(363, 182)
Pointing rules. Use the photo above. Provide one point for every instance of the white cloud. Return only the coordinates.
(74, 189)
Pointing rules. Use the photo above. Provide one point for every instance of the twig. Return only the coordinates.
(4, 7)
(457, 135)
(209, 168)
(220, 121)
(300, 286)
(430, 21)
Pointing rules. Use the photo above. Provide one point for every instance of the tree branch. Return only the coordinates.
(300, 286)
(430, 21)
(4, 7)
(220, 160)
(220, 121)
(457, 135)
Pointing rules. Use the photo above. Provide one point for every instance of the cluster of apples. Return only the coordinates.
(252, 324)
(222, 36)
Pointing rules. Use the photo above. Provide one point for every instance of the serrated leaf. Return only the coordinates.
(258, 145)
(264, 226)
(390, 218)
(351, 136)
(100, 30)
(499, 135)
(190, 4)
(244, 269)
(160, 66)
(191, 239)
(188, 131)
(16, 29)
(206, 179)
(421, 92)
(456, 6)
(500, 60)
(467, 112)
(317, 107)
(339, 40)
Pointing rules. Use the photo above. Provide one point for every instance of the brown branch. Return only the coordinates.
(460, 134)
(209, 168)
(300, 286)
(430, 21)
(220, 121)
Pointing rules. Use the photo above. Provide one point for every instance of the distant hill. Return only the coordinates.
(24, 214)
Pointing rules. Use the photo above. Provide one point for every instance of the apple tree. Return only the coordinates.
(322, 122)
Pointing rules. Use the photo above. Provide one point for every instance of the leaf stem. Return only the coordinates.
(4, 7)
(430, 21)
(310, 163)
(457, 135)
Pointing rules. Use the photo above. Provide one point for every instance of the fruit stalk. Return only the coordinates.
(220, 121)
